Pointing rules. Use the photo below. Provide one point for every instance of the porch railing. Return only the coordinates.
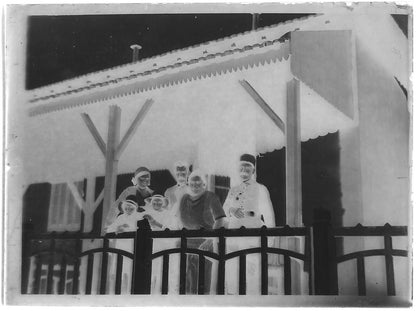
(51, 262)
(145, 256)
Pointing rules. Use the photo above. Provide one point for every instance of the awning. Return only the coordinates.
(207, 121)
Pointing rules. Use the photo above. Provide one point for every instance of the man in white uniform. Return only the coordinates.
(175, 193)
(248, 205)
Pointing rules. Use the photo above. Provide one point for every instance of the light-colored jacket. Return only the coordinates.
(254, 199)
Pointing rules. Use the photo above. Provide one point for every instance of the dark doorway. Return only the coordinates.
(321, 186)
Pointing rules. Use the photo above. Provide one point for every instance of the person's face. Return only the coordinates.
(181, 175)
(143, 181)
(246, 171)
(128, 208)
(196, 185)
(157, 204)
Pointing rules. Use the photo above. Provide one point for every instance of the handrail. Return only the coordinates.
(371, 252)
(241, 232)
(77, 235)
(360, 230)
(186, 250)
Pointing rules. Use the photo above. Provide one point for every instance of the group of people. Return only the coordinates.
(189, 204)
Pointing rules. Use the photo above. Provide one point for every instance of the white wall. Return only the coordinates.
(375, 174)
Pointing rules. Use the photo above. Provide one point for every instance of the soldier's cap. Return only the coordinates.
(181, 166)
(249, 159)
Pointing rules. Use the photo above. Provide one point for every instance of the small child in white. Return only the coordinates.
(157, 213)
(160, 217)
(126, 222)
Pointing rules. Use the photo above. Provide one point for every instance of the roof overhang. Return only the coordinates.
(201, 113)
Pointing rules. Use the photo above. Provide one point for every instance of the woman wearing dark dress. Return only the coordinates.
(198, 209)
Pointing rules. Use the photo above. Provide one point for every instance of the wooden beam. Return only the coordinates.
(77, 196)
(263, 105)
(111, 161)
(293, 179)
(94, 132)
(98, 201)
(255, 21)
(133, 127)
(90, 204)
(293, 155)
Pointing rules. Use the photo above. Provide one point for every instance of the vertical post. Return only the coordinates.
(51, 263)
(264, 263)
(90, 264)
(26, 249)
(62, 276)
(325, 266)
(388, 245)
(38, 274)
(75, 280)
(111, 161)
(104, 267)
(255, 21)
(201, 275)
(165, 275)
(142, 268)
(119, 274)
(287, 275)
(293, 156)
(89, 200)
(182, 265)
(136, 48)
(242, 273)
(293, 176)
(361, 276)
(221, 262)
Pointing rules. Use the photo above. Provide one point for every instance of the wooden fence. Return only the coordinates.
(51, 262)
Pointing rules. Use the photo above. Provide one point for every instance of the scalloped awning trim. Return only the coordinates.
(159, 69)
(167, 80)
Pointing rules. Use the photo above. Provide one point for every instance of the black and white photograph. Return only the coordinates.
(216, 154)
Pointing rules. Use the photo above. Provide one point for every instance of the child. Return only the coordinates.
(126, 222)
(160, 217)
(157, 212)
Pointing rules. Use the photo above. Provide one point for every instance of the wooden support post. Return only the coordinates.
(263, 105)
(90, 208)
(89, 205)
(293, 156)
(77, 196)
(293, 178)
(255, 21)
(133, 127)
(324, 255)
(142, 264)
(112, 152)
(94, 132)
(111, 161)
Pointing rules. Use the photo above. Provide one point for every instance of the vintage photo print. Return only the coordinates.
(208, 154)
